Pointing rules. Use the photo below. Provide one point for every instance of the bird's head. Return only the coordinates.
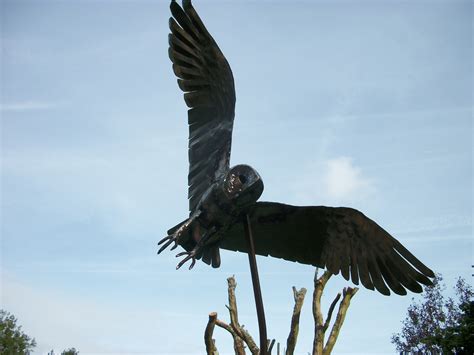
(243, 185)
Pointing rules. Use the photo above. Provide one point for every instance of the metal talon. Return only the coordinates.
(190, 255)
(182, 253)
(165, 245)
(176, 235)
(163, 240)
(182, 262)
(192, 263)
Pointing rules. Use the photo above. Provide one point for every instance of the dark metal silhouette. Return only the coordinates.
(262, 325)
(340, 239)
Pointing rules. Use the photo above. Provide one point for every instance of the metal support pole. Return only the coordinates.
(256, 287)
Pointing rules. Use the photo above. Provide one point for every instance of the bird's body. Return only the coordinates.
(340, 239)
(220, 207)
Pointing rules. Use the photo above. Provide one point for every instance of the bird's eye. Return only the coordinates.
(243, 179)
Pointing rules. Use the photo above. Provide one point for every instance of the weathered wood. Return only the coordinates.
(270, 344)
(242, 337)
(320, 326)
(331, 309)
(319, 284)
(210, 343)
(348, 293)
(245, 335)
(238, 344)
(295, 320)
(234, 317)
(231, 285)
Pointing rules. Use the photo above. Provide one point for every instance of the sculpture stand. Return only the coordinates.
(256, 287)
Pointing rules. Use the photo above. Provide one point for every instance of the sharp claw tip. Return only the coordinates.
(179, 265)
(162, 248)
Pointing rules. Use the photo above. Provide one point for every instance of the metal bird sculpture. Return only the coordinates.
(338, 238)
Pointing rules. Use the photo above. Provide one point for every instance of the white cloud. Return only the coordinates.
(28, 106)
(343, 179)
(333, 181)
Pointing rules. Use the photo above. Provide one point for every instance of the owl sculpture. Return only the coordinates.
(340, 239)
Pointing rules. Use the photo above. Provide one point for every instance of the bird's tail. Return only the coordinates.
(212, 256)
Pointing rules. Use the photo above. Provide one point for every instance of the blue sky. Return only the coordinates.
(367, 105)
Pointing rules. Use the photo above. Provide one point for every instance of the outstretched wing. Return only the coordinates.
(340, 239)
(208, 85)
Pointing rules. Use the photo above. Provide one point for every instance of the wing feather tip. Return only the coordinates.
(187, 4)
(430, 274)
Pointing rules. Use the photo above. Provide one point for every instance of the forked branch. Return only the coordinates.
(320, 326)
(242, 337)
(348, 293)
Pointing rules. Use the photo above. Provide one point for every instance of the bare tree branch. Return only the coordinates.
(210, 343)
(270, 344)
(348, 293)
(241, 336)
(238, 345)
(295, 320)
(225, 326)
(319, 284)
(240, 333)
(231, 285)
(234, 319)
(245, 335)
(331, 309)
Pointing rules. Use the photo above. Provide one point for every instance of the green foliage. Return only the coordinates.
(438, 324)
(12, 338)
(71, 351)
(458, 339)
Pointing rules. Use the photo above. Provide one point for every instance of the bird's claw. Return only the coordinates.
(174, 237)
(169, 239)
(190, 255)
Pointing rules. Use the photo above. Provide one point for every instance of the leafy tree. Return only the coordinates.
(12, 338)
(438, 324)
(70, 351)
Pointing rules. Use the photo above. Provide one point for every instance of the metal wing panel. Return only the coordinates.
(340, 239)
(206, 79)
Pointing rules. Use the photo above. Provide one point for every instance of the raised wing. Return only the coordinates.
(208, 85)
(340, 239)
